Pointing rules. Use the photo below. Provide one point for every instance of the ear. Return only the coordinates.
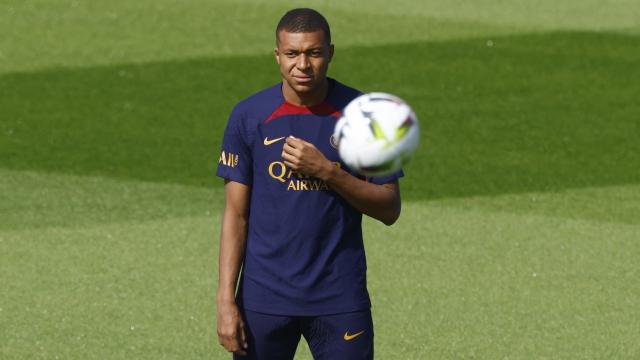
(276, 53)
(330, 52)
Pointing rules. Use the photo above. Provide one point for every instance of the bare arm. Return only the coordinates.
(381, 202)
(231, 331)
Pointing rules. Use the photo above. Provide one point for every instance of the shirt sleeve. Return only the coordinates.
(379, 180)
(236, 161)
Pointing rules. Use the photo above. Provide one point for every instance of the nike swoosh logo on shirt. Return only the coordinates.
(348, 337)
(268, 142)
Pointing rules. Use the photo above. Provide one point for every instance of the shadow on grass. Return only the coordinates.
(511, 114)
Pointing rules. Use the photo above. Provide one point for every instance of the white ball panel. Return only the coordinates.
(358, 146)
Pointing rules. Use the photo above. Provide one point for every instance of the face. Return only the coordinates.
(304, 59)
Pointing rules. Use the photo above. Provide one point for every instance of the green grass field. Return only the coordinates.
(520, 231)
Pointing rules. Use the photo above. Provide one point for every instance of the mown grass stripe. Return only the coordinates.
(529, 113)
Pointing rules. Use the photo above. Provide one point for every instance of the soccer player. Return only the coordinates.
(293, 212)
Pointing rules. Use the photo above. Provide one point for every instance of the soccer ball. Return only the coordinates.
(377, 134)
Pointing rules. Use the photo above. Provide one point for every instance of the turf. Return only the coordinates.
(521, 216)
(525, 114)
(75, 33)
(454, 278)
(493, 284)
(107, 33)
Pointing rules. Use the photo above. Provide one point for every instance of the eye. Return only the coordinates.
(316, 53)
(290, 54)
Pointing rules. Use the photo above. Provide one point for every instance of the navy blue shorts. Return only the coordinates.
(346, 336)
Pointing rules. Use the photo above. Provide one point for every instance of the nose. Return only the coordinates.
(303, 62)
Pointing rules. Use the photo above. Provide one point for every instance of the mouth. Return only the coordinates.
(303, 78)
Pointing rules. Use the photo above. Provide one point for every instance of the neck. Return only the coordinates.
(311, 98)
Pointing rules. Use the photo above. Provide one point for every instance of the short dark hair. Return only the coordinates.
(303, 20)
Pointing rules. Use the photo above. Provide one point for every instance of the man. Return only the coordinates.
(292, 216)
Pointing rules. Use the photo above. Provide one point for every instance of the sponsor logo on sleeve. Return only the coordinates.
(229, 159)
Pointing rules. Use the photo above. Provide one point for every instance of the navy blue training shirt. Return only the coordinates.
(304, 253)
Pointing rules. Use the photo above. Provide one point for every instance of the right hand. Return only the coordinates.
(232, 334)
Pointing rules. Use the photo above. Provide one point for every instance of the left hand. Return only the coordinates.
(305, 158)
